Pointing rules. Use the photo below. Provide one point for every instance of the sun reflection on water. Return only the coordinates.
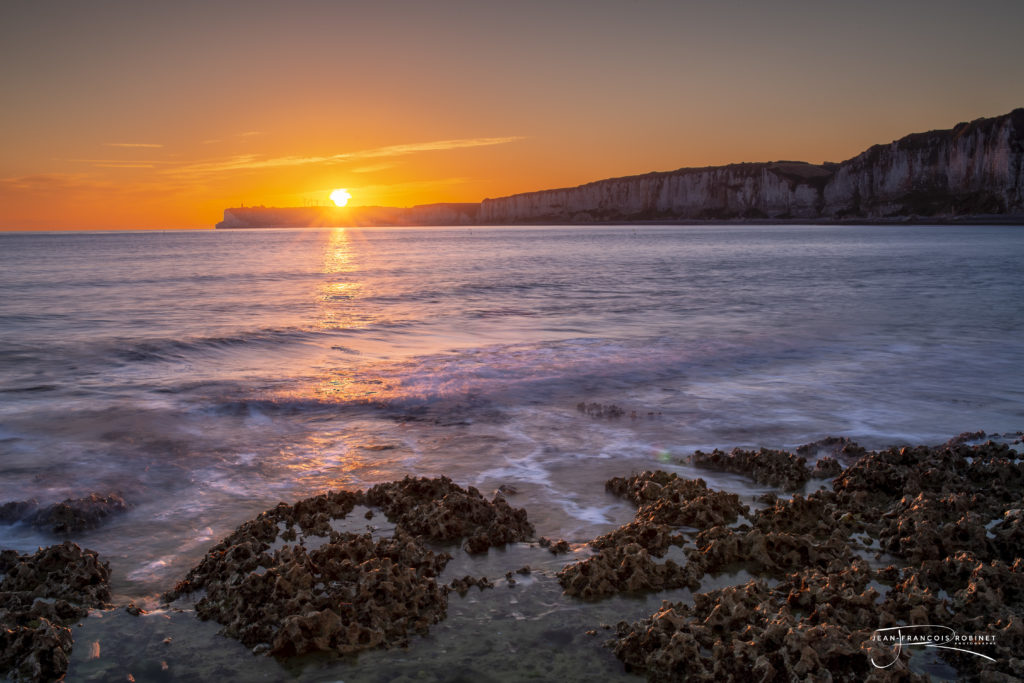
(342, 287)
(344, 375)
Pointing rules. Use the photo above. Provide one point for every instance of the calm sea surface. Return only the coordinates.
(207, 375)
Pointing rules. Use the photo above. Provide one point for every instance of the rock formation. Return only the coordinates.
(974, 169)
(40, 596)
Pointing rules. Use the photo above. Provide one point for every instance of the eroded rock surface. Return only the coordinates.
(40, 595)
(346, 592)
(771, 467)
(949, 516)
(442, 511)
(809, 627)
(626, 557)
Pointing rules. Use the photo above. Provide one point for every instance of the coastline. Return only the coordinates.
(985, 219)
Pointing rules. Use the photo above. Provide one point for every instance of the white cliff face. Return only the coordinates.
(975, 168)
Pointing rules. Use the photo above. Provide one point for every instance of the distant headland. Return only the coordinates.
(973, 172)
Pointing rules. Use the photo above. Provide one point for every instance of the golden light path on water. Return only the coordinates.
(363, 448)
(338, 310)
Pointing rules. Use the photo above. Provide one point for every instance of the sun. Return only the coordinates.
(340, 196)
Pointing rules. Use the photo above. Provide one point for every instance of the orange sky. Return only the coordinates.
(127, 114)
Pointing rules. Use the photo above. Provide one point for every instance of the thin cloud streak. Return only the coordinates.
(145, 145)
(253, 162)
(118, 162)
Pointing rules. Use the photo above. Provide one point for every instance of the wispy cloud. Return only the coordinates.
(373, 168)
(399, 150)
(255, 162)
(145, 145)
(251, 133)
(122, 163)
(50, 184)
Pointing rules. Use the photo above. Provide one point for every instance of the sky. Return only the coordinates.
(144, 114)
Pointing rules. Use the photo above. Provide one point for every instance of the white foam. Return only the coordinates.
(590, 514)
(151, 570)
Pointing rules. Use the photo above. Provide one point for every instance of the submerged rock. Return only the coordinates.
(461, 586)
(831, 446)
(67, 517)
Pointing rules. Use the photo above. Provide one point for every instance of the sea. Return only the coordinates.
(207, 375)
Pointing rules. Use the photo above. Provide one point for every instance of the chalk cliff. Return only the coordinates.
(974, 169)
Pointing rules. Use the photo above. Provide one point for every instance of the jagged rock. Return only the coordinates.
(774, 468)
(39, 653)
(826, 468)
(628, 568)
(669, 499)
(930, 527)
(442, 511)
(655, 538)
(462, 585)
(557, 547)
(771, 553)
(40, 595)
(752, 632)
(818, 514)
(951, 514)
(62, 572)
(351, 593)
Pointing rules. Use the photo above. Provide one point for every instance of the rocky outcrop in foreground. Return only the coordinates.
(912, 540)
(40, 596)
(948, 521)
(974, 169)
(344, 592)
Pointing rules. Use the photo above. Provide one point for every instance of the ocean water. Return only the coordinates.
(207, 375)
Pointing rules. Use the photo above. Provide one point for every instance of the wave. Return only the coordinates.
(177, 350)
(475, 381)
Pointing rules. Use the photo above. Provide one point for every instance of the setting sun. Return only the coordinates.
(340, 197)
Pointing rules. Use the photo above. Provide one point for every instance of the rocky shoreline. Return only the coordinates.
(912, 537)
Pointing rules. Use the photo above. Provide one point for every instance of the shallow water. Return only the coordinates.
(205, 376)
